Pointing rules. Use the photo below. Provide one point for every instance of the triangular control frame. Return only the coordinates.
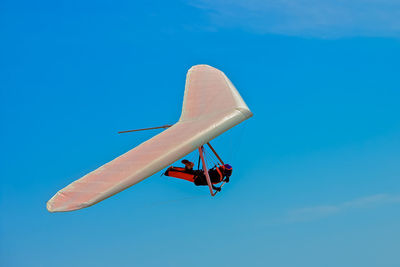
(205, 168)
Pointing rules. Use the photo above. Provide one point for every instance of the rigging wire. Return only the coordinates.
(191, 157)
(207, 158)
(215, 158)
(212, 158)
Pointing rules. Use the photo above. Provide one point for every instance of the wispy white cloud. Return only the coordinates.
(315, 18)
(317, 212)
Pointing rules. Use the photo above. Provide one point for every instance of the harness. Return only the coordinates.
(180, 173)
(221, 177)
(218, 174)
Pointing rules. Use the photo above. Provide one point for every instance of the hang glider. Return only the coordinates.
(211, 106)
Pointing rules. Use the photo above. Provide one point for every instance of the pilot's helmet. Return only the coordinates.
(228, 170)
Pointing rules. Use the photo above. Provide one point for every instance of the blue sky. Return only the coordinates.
(313, 18)
(316, 170)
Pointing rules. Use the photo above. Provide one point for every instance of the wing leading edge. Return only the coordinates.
(211, 106)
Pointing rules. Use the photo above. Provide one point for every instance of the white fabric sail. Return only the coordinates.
(211, 106)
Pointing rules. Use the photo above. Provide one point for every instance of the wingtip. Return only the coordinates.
(55, 204)
(245, 112)
(199, 66)
(53, 208)
(50, 207)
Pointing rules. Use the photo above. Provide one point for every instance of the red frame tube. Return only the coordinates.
(206, 171)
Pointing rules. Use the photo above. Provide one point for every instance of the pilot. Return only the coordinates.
(217, 175)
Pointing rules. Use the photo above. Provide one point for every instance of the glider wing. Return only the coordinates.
(211, 106)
